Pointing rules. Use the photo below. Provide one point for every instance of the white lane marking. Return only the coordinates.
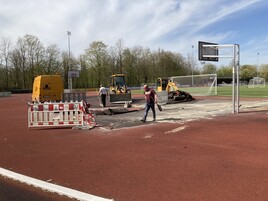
(176, 129)
(71, 193)
(148, 135)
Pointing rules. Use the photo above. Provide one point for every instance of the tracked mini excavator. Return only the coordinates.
(118, 89)
(165, 84)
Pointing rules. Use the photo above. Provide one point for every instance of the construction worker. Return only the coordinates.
(102, 94)
(151, 98)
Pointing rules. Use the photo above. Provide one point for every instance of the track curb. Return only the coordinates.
(71, 193)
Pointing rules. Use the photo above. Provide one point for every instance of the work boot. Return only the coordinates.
(143, 120)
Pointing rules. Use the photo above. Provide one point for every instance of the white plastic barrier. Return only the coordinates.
(4, 94)
(59, 115)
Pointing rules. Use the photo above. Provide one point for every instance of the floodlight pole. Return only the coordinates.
(69, 47)
(192, 65)
(257, 62)
(70, 84)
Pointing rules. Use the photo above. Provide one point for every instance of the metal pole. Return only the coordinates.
(237, 77)
(257, 63)
(69, 34)
(70, 84)
(216, 84)
(233, 89)
(192, 65)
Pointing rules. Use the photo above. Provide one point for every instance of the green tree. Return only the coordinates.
(117, 55)
(225, 71)
(209, 68)
(263, 71)
(129, 60)
(34, 56)
(84, 79)
(27, 58)
(18, 58)
(247, 72)
(52, 60)
(96, 57)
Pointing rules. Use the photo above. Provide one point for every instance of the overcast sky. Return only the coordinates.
(174, 25)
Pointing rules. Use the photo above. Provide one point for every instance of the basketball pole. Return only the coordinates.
(234, 79)
(237, 77)
(236, 67)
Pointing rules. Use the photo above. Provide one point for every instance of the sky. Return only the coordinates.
(172, 25)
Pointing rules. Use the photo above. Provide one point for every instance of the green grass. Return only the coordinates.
(137, 91)
(227, 91)
(244, 91)
(224, 91)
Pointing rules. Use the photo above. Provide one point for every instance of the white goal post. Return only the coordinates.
(256, 82)
(201, 85)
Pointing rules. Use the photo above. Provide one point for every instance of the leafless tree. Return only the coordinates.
(5, 51)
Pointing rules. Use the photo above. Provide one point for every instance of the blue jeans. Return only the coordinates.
(147, 108)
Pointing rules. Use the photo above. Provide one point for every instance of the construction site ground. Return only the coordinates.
(195, 151)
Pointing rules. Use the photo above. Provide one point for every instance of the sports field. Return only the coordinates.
(244, 91)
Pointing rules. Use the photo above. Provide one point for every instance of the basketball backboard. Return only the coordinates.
(73, 74)
(207, 52)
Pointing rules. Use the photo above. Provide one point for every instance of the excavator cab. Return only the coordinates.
(118, 89)
(118, 84)
(162, 84)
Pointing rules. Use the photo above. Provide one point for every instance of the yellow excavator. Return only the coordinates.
(118, 89)
(166, 84)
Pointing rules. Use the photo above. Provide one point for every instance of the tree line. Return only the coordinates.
(22, 61)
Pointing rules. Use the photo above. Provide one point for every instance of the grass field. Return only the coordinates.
(261, 92)
(244, 91)
(227, 91)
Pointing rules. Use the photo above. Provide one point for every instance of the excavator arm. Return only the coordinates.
(172, 90)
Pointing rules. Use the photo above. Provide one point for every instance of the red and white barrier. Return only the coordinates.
(59, 115)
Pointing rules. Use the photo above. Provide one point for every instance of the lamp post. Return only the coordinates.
(69, 35)
(69, 79)
(192, 62)
(257, 62)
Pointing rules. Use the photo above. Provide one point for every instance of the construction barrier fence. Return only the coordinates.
(74, 96)
(74, 114)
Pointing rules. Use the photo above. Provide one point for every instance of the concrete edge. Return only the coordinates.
(71, 193)
(113, 110)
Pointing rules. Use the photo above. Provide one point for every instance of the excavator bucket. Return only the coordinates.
(120, 98)
(183, 96)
